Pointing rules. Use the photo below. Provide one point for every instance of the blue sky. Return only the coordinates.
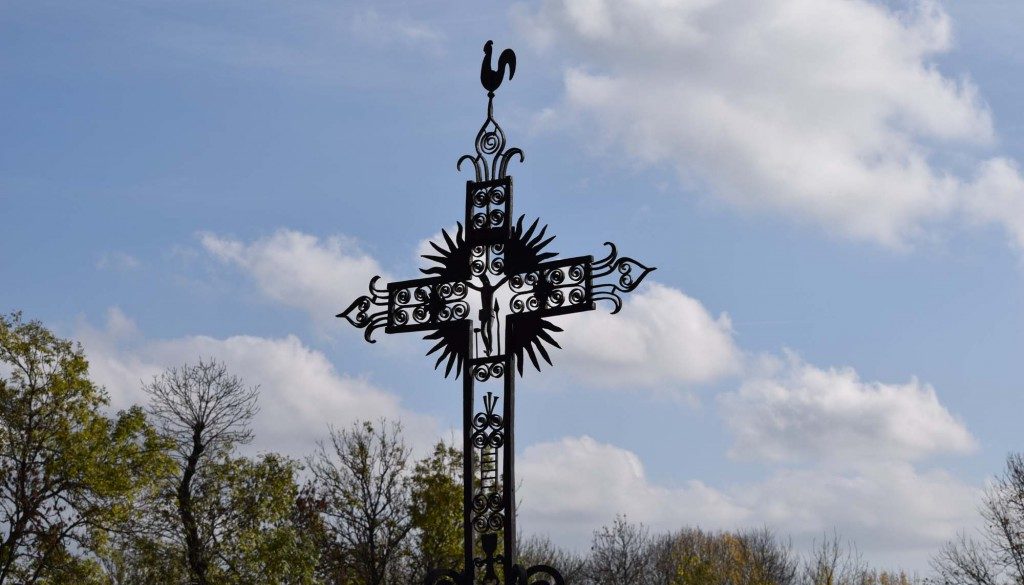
(830, 191)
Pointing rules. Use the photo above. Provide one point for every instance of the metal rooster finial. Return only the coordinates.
(490, 78)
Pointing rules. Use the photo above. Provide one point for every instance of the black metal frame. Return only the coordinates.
(488, 254)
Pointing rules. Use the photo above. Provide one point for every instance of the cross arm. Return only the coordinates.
(572, 285)
(561, 287)
(616, 276)
(435, 305)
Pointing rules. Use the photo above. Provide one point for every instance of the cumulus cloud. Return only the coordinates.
(837, 452)
(572, 486)
(796, 411)
(301, 392)
(997, 195)
(661, 338)
(832, 111)
(320, 276)
(895, 512)
(889, 508)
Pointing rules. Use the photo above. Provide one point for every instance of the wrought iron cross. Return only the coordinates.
(493, 264)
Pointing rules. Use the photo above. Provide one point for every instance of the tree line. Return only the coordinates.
(160, 494)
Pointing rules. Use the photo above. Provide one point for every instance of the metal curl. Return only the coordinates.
(608, 294)
(378, 321)
(380, 295)
(502, 170)
(491, 159)
(606, 262)
(476, 166)
(358, 315)
(444, 577)
(547, 570)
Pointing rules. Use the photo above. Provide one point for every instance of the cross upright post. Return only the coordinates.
(490, 263)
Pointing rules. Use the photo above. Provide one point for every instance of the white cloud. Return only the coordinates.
(891, 509)
(301, 392)
(798, 412)
(572, 486)
(836, 452)
(320, 276)
(661, 338)
(997, 195)
(894, 512)
(828, 110)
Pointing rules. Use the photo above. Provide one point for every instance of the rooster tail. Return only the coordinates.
(507, 58)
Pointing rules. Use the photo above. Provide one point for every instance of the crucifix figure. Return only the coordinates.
(500, 267)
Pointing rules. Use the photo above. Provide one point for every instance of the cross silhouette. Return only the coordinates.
(508, 268)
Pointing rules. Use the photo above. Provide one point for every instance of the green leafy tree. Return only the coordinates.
(692, 556)
(248, 522)
(435, 510)
(68, 473)
(246, 510)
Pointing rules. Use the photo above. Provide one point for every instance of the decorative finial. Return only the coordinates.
(490, 78)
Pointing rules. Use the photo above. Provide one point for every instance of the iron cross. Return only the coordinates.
(500, 269)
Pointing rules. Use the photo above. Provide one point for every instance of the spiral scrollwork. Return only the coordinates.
(360, 314)
(484, 439)
(497, 195)
(480, 523)
(485, 371)
(626, 272)
(430, 302)
(496, 521)
(480, 197)
(480, 502)
(491, 159)
(492, 140)
(548, 288)
(487, 425)
(488, 512)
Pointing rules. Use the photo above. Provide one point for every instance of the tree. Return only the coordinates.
(360, 483)
(998, 557)
(830, 563)
(204, 412)
(620, 554)
(67, 472)
(694, 557)
(247, 507)
(435, 510)
(539, 550)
